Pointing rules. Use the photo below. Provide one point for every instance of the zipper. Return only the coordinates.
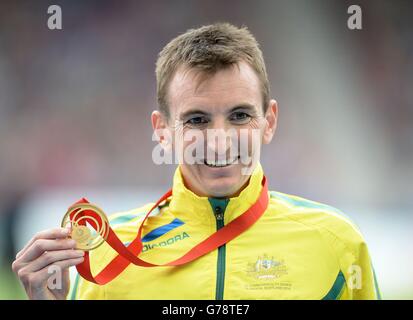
(218, 207)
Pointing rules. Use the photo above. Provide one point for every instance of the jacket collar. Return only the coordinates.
(198, 210)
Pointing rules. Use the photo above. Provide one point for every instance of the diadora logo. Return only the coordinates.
(266, 268)
(160, 232)
(170, 241)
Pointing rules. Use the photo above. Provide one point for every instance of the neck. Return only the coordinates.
(201, 193)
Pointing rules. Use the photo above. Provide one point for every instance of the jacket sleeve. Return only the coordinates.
(356, 265)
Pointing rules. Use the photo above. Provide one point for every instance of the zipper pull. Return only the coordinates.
(218, 213)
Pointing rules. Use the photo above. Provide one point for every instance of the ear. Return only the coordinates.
(271, 116)
(160, 129)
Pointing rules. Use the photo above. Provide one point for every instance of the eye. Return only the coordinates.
(197, 121)
(240, 117)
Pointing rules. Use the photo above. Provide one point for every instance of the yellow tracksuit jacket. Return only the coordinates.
(298, 249)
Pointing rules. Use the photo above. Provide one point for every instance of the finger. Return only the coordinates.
(64, 264)
(39, 247)
(38, 278)
(52, 257)
(56, 233)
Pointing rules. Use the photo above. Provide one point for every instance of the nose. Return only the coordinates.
(219, 140)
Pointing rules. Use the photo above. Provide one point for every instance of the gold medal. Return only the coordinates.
(81, 223)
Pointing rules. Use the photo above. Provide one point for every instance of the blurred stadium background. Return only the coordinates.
(75, 107)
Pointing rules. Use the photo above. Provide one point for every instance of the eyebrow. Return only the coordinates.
(201, 112)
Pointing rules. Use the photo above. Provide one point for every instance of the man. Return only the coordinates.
(214, 79)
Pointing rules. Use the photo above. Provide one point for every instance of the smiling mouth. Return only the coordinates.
(220, 163)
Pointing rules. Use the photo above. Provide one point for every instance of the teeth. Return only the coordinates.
(220, 163)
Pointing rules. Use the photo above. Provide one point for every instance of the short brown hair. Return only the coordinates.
(209, 48)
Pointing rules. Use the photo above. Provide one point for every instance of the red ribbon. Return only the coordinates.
(130, 254)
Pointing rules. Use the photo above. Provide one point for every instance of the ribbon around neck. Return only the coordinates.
(130, 254)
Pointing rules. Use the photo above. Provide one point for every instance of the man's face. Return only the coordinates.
(226, 109)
